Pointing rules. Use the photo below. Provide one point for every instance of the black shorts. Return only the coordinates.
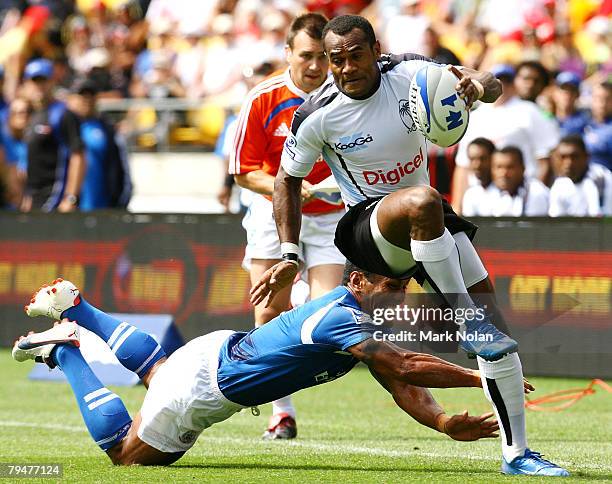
(354, 238)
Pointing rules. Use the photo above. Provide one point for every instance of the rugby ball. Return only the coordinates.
(440, 114)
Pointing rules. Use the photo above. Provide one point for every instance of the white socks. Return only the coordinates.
(440, 260)
(502, 381)
(283, 405)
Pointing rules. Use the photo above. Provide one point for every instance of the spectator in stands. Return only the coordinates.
(405, 32)
(561, 54)
(433, 49)
(598, 132)
(508, 121)
(572, 120)
(530, 80)
(582, 189)
(510, 193)
(479, 152)
(56, 165)
(107, 183)
(15, 154)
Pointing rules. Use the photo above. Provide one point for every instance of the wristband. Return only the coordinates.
(290, 257)
(479, 87)
(289, 248)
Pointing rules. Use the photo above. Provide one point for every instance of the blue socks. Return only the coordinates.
(135, 349)
(105, 415)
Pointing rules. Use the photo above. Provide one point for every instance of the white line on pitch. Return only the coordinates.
(336, 447)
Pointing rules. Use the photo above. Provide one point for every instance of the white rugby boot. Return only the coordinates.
(38, 346)
(53, 299)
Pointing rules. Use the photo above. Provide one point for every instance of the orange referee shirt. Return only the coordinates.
(263, 125)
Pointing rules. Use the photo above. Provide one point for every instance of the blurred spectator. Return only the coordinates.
(598, 132)
(508, 121)
(14, 123)
(510, 193)
(107, 181)
(572, 120)
(530, 80)
(405, 32)
(160, 81)
(433, 49)
(56, 165)
(479, 152)
(562, 54)
(189, 64)
(582, 189)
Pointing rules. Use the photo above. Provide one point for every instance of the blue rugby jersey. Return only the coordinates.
(298, 349)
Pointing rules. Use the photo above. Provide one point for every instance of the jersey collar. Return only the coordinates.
(292, 87)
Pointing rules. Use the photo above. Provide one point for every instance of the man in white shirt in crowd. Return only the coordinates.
(510, 193)
(509, 121)
(479, 152)
(582, 189)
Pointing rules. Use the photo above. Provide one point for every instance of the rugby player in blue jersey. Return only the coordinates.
(216, 375)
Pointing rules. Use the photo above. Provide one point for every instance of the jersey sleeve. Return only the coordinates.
(71, 131)
(303, 146)
(343, 327)
(249, 141)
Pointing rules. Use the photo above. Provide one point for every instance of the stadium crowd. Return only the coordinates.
(545, 148)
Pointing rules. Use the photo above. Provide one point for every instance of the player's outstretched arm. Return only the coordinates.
(287, 202)
(419, 403)
(391, 363)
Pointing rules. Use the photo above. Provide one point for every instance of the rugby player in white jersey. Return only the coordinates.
(396, 225)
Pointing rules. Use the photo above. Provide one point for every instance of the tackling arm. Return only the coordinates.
(399, 371)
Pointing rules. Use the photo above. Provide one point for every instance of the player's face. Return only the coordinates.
(307, 62)
(507, 172)
(480, 162)
(38, 89)
(601, 102)
(570, 161)
(353, 63)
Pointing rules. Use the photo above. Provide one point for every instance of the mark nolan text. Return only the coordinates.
(432, 336)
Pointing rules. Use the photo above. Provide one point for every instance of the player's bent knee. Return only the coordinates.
(421, 201)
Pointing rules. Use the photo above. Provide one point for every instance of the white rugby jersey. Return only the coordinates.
(372, 146)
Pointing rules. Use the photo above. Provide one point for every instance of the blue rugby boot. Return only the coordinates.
(532, 464)
(485, 340)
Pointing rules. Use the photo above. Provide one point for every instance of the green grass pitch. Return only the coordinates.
(349, 431)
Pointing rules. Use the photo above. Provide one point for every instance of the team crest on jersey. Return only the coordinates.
(404, 113)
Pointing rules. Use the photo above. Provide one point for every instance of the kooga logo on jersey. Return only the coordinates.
(353, 142)
(393, 177)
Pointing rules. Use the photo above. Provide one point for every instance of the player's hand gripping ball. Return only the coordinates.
(436, 107)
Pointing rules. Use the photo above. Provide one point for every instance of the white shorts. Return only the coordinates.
(184, 398)
(316, 237)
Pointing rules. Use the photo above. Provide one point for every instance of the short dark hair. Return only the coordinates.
(544, 74)
(574, 139)
(485, 143)
(311, 23)
(350, 267)
(343, 24)
(513, 151)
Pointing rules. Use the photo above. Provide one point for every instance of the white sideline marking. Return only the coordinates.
(334, 448)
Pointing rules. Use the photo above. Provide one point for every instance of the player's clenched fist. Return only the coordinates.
(273, 280)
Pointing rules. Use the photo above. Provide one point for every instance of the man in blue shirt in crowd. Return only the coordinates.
(216, 375)
(107, 183)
